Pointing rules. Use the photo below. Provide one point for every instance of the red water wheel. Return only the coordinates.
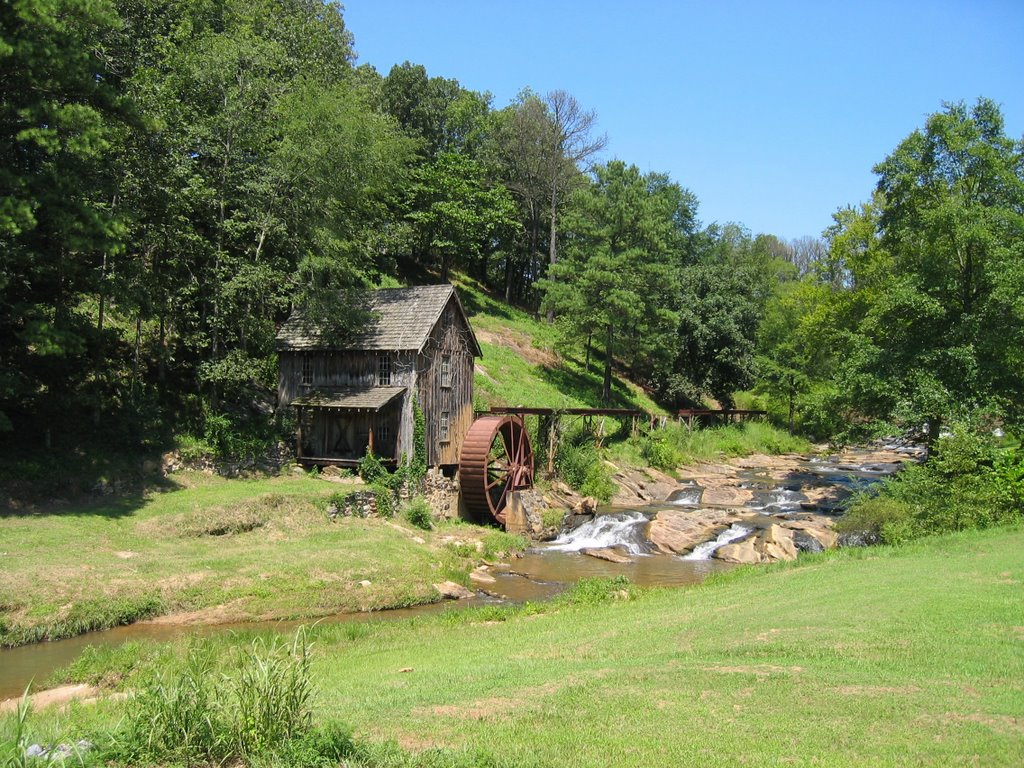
(496, 459)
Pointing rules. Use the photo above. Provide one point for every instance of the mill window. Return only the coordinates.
(384, 370)
(446, 371)
(307, 371)
(384, 435)
(442, 427)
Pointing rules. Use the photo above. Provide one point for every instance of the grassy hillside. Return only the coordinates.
(521, 366)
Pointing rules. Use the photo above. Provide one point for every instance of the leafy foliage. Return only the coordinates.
(968, 484)
(418, 513)
(581, 465)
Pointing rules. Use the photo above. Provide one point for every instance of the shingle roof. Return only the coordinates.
(402, 319)
(351, 398)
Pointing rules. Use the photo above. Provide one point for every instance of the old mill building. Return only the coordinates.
(356, 393)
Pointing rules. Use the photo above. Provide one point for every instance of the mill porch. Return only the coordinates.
(338, 426)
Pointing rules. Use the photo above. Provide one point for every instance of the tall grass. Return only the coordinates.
(209, 707)
(14, 736)
(676, 445)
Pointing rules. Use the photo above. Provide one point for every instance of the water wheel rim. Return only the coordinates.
(496, 458)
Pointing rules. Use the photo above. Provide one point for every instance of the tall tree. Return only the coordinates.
(617, 281)
(945, 333)
(574, 143)
(59, 114)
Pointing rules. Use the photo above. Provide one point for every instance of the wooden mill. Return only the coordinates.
(356, 394)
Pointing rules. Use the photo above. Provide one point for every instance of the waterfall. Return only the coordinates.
(705, 550)
(686, 497)
(619, 529)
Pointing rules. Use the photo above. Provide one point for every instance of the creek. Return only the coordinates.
(762, 494)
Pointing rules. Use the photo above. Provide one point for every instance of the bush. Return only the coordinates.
(658, 451)
(878, 519)
(418, 513)
(385, 498)
(966, 484)
(371, 470)
(232, 437)
(582, 467)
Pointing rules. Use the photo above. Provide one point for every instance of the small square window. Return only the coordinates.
(307, 371)
(384, 370)
(442, 427)
(446, 371)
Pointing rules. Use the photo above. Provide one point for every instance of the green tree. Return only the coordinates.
(456, 213)
(59, 114)
(943, 335)
(617, 280)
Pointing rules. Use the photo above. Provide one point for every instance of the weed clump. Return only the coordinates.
(417, 512)
(253, 704)
(582, 467)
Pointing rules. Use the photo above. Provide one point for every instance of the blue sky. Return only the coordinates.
(773, 114)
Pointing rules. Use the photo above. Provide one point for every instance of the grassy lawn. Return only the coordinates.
(225, 549)
(881, 657)
(884, 656)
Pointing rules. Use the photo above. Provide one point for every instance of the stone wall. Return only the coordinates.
(442, 494)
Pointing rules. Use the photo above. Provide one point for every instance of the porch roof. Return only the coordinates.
(364, 399)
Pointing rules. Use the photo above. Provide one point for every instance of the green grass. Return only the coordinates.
(883, 656)
(522, 367)
(675, 445)
(224, 549)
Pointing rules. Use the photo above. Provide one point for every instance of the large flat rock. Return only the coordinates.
(678, 531)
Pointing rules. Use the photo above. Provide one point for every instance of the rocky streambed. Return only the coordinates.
(756, 509)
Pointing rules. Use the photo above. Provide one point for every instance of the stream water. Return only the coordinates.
(547, 569)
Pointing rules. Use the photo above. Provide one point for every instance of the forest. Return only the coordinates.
(177, 175)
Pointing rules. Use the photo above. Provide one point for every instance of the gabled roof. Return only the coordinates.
(402, 320)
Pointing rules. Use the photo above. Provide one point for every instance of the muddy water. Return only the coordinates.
(34, 663)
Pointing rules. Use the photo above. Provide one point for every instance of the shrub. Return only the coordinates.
(418, 513)
(582, 467)
(658, 451)
(879, 519)
(371, 470)
(385, 499)
(964, 485)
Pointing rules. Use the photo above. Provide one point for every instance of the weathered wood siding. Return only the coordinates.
(450, 337)
(348, 369)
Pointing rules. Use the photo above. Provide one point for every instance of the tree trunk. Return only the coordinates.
(606, 390)
(138, 344)
(792, 403)
(553, 243)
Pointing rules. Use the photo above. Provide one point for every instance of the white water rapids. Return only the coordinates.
(705, 550)
(622, 529)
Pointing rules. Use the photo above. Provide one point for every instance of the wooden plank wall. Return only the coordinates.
(418, 373)
(449, 337)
